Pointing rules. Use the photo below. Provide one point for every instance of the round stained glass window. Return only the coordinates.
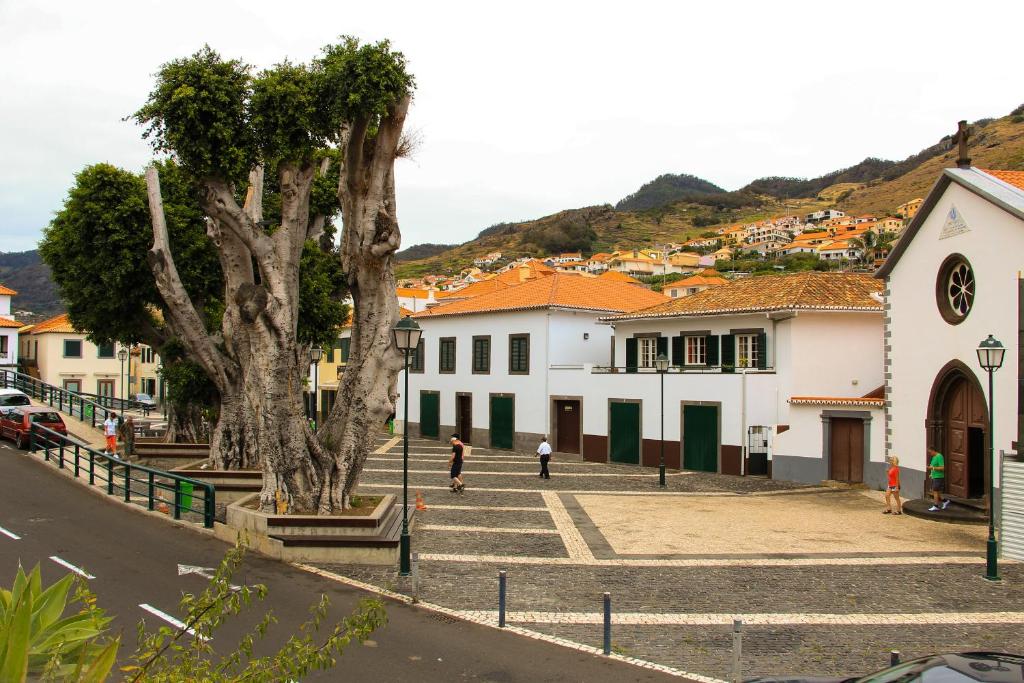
(955, 289)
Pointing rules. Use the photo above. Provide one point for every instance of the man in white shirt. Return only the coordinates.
(544, 451)
(110, 431)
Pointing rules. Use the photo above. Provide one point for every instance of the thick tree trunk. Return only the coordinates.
(186, 425)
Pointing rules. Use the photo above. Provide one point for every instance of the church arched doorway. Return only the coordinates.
(958, 428)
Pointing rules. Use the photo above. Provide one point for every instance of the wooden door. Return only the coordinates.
(964, 412)
(464, 418)
(846, 450)
(105, 391)
(700, 438)
(430, 414)
(503, 427)
(567, 426)
(624, 433)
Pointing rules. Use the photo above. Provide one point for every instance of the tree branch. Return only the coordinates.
(218, 200)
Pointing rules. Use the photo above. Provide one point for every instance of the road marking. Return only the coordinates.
(64, 563)
(205, 572)
(782, 619)
(688, 494)
(494, 508)
(476, 473)
(701, 562)
(577, 548)
(171, 620)
(486, 529)
(9, 534)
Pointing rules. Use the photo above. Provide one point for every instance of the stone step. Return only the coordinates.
(955, 513)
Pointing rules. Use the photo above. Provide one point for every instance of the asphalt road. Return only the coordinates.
(135, 559)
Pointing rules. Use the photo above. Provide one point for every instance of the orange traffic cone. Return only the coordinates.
(420, 505)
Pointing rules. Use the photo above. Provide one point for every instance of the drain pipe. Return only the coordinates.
(743, 421)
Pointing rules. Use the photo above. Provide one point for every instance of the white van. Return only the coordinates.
(12, 398)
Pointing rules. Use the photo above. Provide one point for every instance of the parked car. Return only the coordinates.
(146, 400)
(17, 423)
(10, 398)
(964, 667)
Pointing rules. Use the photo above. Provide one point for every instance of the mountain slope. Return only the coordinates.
(26, 273)
(667, 189)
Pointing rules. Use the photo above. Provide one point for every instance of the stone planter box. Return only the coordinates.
(231, 485)
(363, 539)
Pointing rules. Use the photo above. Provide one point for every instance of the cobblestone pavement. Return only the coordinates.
(835, 612)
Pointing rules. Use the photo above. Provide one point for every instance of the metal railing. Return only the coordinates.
(68, 402)
(136, 483)
(681, 370)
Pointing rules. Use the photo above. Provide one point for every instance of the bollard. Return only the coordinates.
(894, 657)
(607, 623)
(502, 587)
(415, 577)
(737, 650)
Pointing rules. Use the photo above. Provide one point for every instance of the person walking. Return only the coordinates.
(937, 470)
(544, 451)
(110, 431)
(455, 463)
(892, 490)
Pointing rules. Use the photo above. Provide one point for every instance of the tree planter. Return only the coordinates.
(348, 539)
(231, 485)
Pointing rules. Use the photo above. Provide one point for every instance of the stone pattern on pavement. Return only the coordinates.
(832, 610)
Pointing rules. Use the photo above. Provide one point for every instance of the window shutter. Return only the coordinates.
(344, 348)
(728, 352)
(711, 350)
(762, 351)
(631, 355)
(663, 345)
(677, 351)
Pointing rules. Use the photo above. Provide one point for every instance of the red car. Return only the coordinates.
(15, 424)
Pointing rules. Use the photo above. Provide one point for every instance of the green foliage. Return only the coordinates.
(187, 384)
(667, 189)
(37, 639)
(322, 287)
(167, 655)
(1017, 118)
(198, 111)
(283, 112)
(793, 263)
(568, 234)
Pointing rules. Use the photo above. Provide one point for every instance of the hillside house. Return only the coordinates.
(693, 284)
(909, 209)
(839, 250)
(415, 299)
(8, 330)
(824, 215)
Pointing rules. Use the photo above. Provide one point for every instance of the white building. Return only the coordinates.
(415, 299)
(8, 331)
(485, 364)
(61, 355)
(953, 279)
(826, 215)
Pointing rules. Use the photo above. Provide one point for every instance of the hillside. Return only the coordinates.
(667, 189)
(874, 186)
(25, 273)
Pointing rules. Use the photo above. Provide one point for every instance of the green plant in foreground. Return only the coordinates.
(35, 638)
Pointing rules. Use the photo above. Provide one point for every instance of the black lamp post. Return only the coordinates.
(661, 363)
(160, 373)
(406, 336)
(315, 354)
(122, 355)
(990, 356)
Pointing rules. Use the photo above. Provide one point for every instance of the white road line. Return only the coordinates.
(64, 563)
(782, 619)
(577, 548)
(492, 508)
(171, 620)
(9, 534)
(702, 562)
(486, 529)
(688, 494)
(475, 473)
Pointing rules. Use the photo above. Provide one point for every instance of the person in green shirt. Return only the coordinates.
(937, 474)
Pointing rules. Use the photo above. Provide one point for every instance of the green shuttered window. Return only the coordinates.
(446, 355)
(481, 355)
(519, 354)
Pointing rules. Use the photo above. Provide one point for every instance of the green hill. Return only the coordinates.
(667, 189)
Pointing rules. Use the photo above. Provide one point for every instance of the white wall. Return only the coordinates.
(5, 305)
(922, 342)
(835, 354)
(54, 368)
(11, 334)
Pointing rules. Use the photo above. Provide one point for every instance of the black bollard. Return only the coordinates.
(502, 580)
(607, 623)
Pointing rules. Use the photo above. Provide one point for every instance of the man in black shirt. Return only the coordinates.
(455, 462)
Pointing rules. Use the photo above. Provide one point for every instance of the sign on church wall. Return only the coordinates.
(954, 225)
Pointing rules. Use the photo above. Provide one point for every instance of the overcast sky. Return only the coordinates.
(528, 108)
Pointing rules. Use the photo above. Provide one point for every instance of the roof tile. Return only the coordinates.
(60, 323)
(1015, 178)
(6, 291)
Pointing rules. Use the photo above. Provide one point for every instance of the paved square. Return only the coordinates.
(824, 582)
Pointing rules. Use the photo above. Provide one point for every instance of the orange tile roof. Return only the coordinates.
(7, 322)
(558, 291)
(618, 277)
(60, 323)
(6, 291)
(1015, 178)
(475, 289)
(798, 291)
(412, 293)
(402, 311)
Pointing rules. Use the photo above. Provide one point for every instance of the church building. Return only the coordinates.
(954, 278)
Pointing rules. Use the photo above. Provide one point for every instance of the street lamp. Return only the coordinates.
(122, 355)
(990, 356)
(406, 335)
(661, 363)
(160, 374)
(315, 354)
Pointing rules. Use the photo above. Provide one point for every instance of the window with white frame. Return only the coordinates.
(696, 351)
(746, 351)
(648, 351)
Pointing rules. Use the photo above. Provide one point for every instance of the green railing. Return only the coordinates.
(68, 402)
(136, 483)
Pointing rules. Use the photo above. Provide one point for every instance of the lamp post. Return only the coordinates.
(122, 356)
(160, 374)
(990, 356)
(661, 363)
(315, 354)
(406, 336)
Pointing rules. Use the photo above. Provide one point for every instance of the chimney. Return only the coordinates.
(524, 273)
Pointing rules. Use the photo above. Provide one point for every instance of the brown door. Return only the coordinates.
(847, 450)
(464, 417)
(965, 419)
(567, 426)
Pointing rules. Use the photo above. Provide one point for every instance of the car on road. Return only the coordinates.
(16, 424)
(963, 667)
(11, 398)
(146, 400)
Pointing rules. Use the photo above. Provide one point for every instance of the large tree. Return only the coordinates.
(238, 133)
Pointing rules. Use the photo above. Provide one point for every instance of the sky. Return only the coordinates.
(527, 108)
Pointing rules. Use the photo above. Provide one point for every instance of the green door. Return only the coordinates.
(700, 438)
(430, 413)
(502, 422)
(624, 433)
